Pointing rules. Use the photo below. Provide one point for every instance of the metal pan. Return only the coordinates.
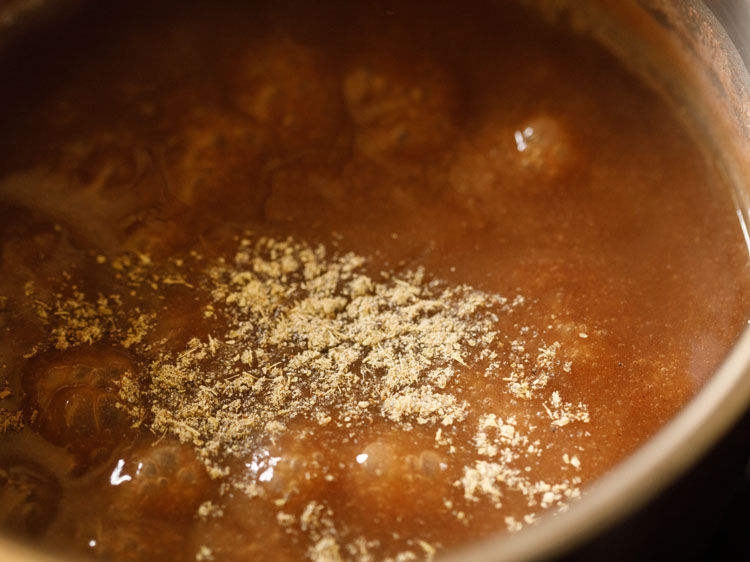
(696, 53)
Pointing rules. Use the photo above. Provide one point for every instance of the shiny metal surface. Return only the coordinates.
(683, 49)
(734, 16)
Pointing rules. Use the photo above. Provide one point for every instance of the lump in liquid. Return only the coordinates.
(290, 94)
(535, 157)
(161, 480)
(73, 400)
(130, 537)
(29, 496)
(400, 118)
(393, 475)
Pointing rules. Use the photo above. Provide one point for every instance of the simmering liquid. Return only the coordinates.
(339, 282)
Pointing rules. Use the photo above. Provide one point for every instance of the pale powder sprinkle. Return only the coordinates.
(308, 335)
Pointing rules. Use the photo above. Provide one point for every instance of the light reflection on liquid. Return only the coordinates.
(521, 138)
(262, 464)
(117, 478)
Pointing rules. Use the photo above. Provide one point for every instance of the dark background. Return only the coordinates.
(704, 516)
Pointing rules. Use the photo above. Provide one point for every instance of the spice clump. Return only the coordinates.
(305, 370)
(318, 337)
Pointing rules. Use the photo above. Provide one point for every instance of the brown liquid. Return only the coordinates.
(475, 143)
